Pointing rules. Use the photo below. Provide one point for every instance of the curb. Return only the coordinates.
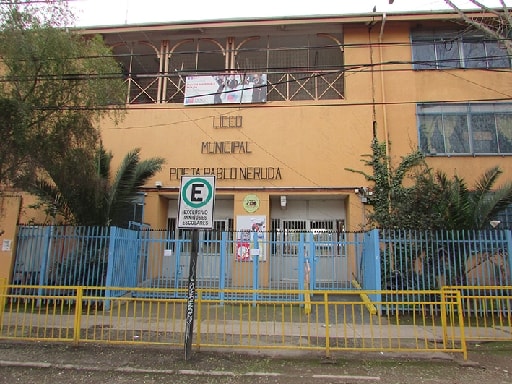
(185, 372)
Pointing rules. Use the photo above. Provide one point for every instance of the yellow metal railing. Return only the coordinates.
(325, 321)
(487, 312)
(3, 297)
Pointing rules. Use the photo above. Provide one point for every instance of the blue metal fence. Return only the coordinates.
(415, 261)
(60, 256)
(370, 275)
(117, 257)
(430, 260)
(377, 260)
(125, 251)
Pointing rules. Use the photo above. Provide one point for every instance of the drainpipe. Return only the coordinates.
(382, 88)
(383, 103)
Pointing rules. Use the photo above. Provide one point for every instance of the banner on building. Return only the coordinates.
(226, 89)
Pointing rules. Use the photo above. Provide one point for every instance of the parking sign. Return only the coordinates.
(197, 196)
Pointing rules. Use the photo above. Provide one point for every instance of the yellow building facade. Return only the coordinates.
(332, 83)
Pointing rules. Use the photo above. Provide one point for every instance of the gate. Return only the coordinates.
(291, 260)
(145, 258)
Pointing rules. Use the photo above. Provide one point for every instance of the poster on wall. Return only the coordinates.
(6, 245)
(247, 226)
(226, 89)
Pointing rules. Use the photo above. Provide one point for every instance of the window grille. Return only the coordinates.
(141, 66)
(452, 49)
(505, 218)
(298, 66)
(465, 129)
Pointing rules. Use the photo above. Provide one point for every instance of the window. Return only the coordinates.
(445, 50)
(505, 218)
(140, 69)
(301, 62)
(465, 129)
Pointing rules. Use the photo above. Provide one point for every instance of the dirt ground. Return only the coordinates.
(44, 363)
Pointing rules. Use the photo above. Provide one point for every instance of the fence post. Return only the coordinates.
(327, 325)
(300, 267)
(78, 314)
(198, 318)
(255, 269)
(312, 259)
(110, 266)
(508, 236)
(309, 274)
(222, 273)
(3, 298)
(444, 324)
(372, 280)
(461, 325)
(48, 233)
(177, 269)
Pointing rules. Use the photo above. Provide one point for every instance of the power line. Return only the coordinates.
(132, 55)
(347, 72)
(433, 64)
(166, 106)
(505, 97)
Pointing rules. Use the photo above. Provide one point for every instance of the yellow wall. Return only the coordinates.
(15, 208)
(9, 210)
(312, 143)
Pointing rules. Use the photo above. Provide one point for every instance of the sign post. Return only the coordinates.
(197, 196)
(191, 294)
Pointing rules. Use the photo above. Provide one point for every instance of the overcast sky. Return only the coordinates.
(116, 12)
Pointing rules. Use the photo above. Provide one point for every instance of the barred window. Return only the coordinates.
(445, 50)
(505, 218)
(465, 129)
(298, 67)
(298, 64)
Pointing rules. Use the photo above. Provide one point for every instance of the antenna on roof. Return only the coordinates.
(126, 14)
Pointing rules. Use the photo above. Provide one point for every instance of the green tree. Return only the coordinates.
(413, 196)
(474, 208)
(55, 86)
(390, 192)
(130, 176)
(13, 160)
(95, 196)
(450, 204)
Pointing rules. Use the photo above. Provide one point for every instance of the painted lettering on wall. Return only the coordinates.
(247, 173)
(227, 122)
(224, 147)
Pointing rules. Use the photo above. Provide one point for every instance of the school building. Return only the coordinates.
(278, 110)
